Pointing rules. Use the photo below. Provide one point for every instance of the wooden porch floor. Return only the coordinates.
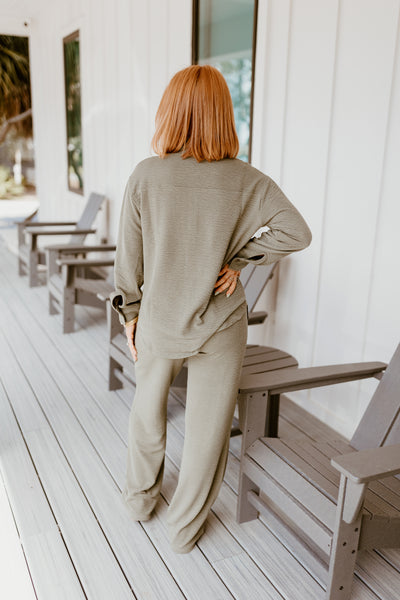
(63, 441)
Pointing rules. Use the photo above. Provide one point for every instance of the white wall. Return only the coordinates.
(326, 128)
(129, 50)
(328, 112)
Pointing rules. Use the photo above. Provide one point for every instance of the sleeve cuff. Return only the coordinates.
(237, 264)
(129, 312)
(131, 322)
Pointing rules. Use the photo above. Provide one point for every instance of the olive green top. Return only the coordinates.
(181, 222)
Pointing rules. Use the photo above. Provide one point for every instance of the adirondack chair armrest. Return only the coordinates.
(33, 232)
(56, 251)
(256, 317)
(27, 221)
(45, 223)
(81, 249)
(104, 297)
(292, 379)
(363, 466)
(69, 267)
(85, 262)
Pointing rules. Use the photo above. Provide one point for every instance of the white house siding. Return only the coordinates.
(328, 112)
(326, 128)
(129, 50)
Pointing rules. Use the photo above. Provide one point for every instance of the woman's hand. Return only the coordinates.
(227, 279)
(130, 330)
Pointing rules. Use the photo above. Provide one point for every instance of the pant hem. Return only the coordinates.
(183, 550)
(186, 548)
(134, 514)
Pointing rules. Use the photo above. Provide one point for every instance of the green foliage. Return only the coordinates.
(73, 106)
(8, 187)
(15, 87)
(73, 88)
(237, 72)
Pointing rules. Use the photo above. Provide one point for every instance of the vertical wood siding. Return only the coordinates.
(326, 128)
(327, 96)
(129, 50)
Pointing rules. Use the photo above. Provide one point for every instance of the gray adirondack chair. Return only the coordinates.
(325, 500)
(254, 279)
(29, 220)
(77, 279)
(73, 281)
(121, 367)
(30, 256)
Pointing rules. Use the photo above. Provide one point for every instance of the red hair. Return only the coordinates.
(196, 115)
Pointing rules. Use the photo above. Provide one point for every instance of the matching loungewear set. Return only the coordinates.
(181, 222)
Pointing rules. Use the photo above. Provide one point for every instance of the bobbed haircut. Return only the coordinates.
(195, 115)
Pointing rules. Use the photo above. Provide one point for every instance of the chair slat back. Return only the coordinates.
(110, 277)
(254, 279)
(245, 274)
(88, 216)
(380, 424)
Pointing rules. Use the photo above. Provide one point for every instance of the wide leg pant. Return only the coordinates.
(213, 383)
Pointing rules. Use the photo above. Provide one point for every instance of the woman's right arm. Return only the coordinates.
(128, 265)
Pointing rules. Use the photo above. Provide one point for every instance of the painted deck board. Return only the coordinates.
(39, 533)
(132, 548)
(80, 518)
(115, 452)
(17, 581)
(74, 433)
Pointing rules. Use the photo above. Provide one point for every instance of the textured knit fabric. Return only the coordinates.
(181, 222)
(212, 389)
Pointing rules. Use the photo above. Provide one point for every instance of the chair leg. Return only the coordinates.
(252, 417)
(245, 511)
(21, 267)
(53, 309)
(344, 551)
(252, 420)
(113, 382)
(68, 310)
(33, 275)
(272, 419)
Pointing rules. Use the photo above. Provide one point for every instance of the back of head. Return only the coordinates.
(195, 115)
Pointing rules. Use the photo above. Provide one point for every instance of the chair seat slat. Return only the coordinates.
(294, 483)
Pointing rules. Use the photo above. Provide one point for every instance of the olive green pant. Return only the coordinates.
(212, 389)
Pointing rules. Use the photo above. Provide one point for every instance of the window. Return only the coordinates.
(224, 36)
(17, 167)
(73, 112)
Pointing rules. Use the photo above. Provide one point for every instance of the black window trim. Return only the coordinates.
(75, 35)
(195, 58)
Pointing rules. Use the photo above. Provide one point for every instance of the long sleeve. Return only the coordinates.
(128, 266)
(181, 222)
(288, 232)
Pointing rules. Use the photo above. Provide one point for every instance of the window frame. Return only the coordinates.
(195, 58)
(74, 35)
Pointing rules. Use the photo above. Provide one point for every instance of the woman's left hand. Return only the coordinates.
(227, 280)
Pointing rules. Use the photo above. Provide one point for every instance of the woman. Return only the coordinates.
(186, 225)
